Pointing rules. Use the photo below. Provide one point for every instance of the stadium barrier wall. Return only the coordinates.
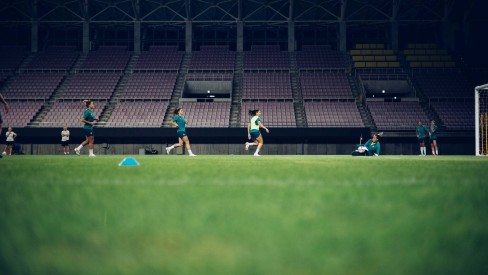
(226, 141)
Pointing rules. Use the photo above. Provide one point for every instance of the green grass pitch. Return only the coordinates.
(244, 215)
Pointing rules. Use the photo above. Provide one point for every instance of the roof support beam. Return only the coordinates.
(291, 27)
(137, 26)
(343, 28)
(394, 28)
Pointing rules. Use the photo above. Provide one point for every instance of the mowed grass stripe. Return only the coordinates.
(243, 215)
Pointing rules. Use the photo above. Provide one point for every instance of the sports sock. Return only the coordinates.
(190, 152)
(257, 151)
(79, 147)
(250, 143)
(436, 151)
(91, 151)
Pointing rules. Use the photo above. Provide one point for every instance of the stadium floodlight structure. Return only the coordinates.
(481, 119)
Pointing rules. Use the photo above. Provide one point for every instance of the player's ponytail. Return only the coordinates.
(253, 112)
(87, 102)
(378, 135)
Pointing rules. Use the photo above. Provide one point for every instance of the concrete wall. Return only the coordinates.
(268, 149)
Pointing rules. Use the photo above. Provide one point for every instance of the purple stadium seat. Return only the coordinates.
(266, 57)
(275, 114)
(213, 57)
(455, 115)
(107, 57)
(316, 57)
(138, 114)
(54, 58)
(91, 86)
(325, 85)
(271, 85)
(149, 86)
(397, 116)
(333, 114)
(33, 85)
(69, 113)
(20, 113)
(206, 114)
(160, 57)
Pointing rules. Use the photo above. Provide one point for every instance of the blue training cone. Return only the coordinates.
(129, 162)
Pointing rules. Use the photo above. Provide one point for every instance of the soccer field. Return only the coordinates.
(244, 215)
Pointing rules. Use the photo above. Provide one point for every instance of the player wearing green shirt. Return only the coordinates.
(179, 121)
(89, 121)
(253, 132)
(370, 148)
(421, 135)
(433, 138)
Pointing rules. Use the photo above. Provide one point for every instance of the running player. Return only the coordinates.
(433, 138)
(179, 121)
(253, 132)
(89, 121)
(5, 105)
(421, 130)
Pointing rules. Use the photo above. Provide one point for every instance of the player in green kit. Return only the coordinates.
(253, 132)
(370, 148)
(421, 135)
(89, 121)
(179, 121)
(433, 138)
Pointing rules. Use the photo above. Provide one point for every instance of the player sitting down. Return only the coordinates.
(370, 148)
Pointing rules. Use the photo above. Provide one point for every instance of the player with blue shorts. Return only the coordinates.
(89, 121)
(179, 121)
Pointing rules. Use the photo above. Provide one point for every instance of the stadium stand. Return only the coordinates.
(333, 114)
(149, 86)
(319, 57)
(427, 56)
(455, 115)
(212, 58)
(325, 85)
(266, 85)
(444, 84)
(373, 56)
(54, 58)
(266, 77)
(107, 58)
(266, 57)
(34, 85)
(160, 58)
(91, 86)
(11, 57)
(20, 113)
(209, 76)
(4, 75)
(138, 114)
(275, 114)
(69, 113)
(396, 116)
(206, 114)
